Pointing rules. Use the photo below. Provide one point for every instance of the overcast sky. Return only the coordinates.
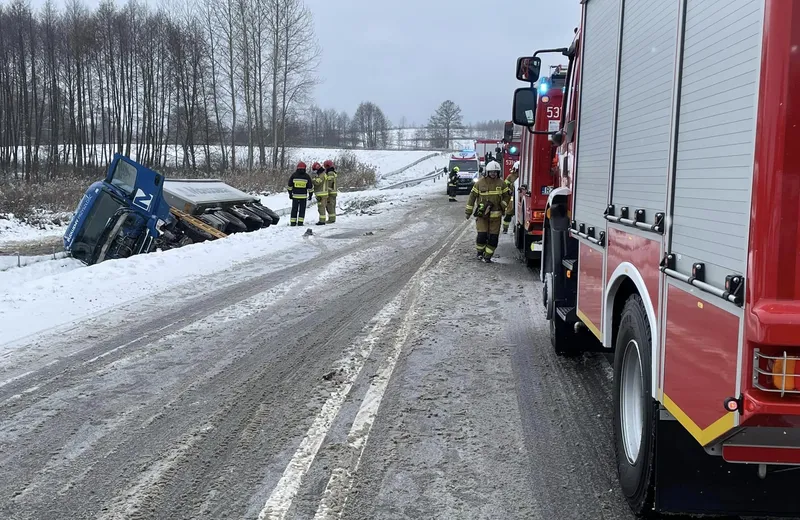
(410, 55)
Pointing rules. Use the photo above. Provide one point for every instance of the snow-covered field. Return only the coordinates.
(13, 229)
(384, 160)
(50, 294)
(389, 164)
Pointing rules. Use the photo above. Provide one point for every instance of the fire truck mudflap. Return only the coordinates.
(679, 147)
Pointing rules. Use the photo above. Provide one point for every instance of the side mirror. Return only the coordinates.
(524, 109)
(557, 139)
(528, 68)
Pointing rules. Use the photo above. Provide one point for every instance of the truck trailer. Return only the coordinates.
(136, 210)
(671, 240)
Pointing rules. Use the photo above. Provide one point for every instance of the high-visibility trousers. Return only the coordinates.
(330, 207)
(298, 214)
(488, 235)
(321, 207)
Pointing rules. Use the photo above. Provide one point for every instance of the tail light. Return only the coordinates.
(538, 216)
(776, 373)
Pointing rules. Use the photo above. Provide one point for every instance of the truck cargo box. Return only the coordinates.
(195, 195)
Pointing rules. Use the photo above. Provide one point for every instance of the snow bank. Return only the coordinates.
(13, 229)
(51, 294)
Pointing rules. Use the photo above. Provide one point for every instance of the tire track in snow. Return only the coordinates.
(282, 496)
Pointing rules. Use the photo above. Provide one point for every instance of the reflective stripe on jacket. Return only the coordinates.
(299, 184)
(492, 192)
(320, 185)
(330, 176)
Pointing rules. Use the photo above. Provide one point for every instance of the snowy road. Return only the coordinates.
(375, 370)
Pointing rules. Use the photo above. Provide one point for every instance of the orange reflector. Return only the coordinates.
(778, 371)
(569, 273)
(547, 212)
(731, 404)
(538, 216)
(545, 99)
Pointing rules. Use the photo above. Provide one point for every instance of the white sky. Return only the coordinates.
(410, 55)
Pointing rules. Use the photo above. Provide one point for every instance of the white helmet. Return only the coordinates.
(493, 169)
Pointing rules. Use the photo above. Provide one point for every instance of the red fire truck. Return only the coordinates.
(537, 175)
(486, 146)
(672, 236)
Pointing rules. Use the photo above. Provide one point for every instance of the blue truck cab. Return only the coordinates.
(120, 216)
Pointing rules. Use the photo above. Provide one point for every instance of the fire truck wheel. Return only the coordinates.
(635, 411)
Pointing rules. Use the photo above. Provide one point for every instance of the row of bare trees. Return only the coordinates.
(368, 128)
(177, 87)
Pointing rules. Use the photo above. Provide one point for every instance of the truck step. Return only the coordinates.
(570, 263)
(566, 313)
(196, 222)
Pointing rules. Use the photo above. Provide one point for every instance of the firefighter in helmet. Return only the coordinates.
(510, 180)
(452, 184)
(320, 186)
(330, 177)
(299, 186)
(488, 201)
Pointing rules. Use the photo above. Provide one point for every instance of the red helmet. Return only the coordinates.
(315, 166)
(328, 164)
(301, 165)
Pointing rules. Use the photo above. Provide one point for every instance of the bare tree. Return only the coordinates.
(446, 118)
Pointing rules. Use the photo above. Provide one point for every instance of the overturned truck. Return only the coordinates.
(136, 210)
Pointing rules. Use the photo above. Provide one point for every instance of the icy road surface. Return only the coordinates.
(375, 370)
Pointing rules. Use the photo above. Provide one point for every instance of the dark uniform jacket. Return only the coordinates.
(299, 184)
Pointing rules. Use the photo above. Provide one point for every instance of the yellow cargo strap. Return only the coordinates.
(196, 222)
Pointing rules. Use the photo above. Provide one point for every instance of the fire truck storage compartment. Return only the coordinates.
(716, 137)
(598, 90)
(645, 107)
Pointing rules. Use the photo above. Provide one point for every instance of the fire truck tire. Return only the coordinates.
(518, 238)
(635, 410)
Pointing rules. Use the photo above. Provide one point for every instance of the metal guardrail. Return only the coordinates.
(24, 260)
(434, 175)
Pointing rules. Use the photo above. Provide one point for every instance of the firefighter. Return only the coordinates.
(330, 177)
(320, 187)
(299, 186)
(488, 199)
(510, 180)
(452, 184)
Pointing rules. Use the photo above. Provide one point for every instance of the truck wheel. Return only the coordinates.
(195, 234)
(235, 225)
(635, 411)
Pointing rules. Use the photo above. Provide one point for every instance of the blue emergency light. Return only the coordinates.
(512, 150)
(544, 87)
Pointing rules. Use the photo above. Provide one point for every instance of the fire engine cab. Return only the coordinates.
(537, 175)
(671, 240)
